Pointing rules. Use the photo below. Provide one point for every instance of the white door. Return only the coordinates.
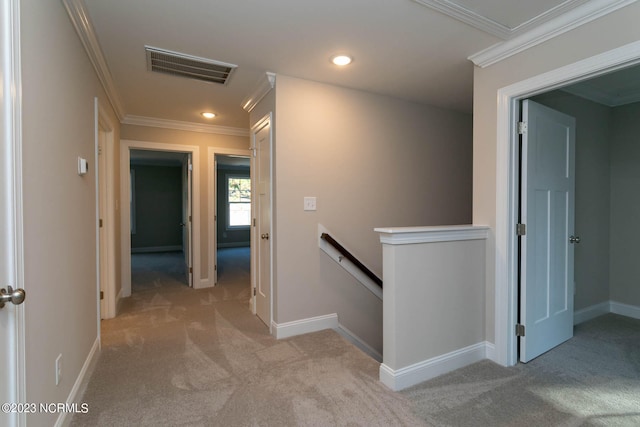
(102, 203)
(12, 334)
(262, 140)
(547, 210)
(187, 167)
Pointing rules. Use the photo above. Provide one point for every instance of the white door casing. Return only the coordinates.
(261, 142)
(212, 152)
(548, 212)
(12, 325)
(103, 271)
(125, 212)
(506, 265)
(186, 219)
(214, 248)
(105, 196)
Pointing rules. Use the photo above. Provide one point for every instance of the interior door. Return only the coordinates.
(102, 197)
(12, 326)
(547, 210)
(187, 168)
(262, 140)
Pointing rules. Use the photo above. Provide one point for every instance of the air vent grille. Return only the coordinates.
(192, 67)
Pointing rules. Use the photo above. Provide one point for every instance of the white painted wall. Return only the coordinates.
(371, 161)
(433, 312)
(619, 27)
(59, 86)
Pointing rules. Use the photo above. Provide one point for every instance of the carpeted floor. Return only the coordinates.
(591, 380)
(181, 357)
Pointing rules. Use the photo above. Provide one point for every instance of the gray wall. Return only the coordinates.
(371, 161)
(226, 237)
(158, 192)
(593, 170)
(625, 205)
(59, 206)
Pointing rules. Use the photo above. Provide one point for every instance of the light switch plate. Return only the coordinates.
(309, 203)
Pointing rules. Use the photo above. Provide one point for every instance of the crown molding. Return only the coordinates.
(467, 16)
(482, 23)
(82, 22)
(574, 18)
(265, 84)
(188, 126)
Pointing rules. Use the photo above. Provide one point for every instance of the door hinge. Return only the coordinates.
(254, 292)
(215, 267)
(189, 218)
(522, 128)
(100, 222)
(101, 295)
(215, 217)
(521, 229)
(190, 166)
(190, 269)
(519, 330)
(254, 222)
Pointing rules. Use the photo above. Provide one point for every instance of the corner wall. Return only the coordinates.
(625, 206)
(371, 161)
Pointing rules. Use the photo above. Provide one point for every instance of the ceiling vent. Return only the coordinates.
(193, 67)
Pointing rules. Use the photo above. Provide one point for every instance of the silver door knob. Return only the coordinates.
(574, 239)
(265, 236)
(10, 295)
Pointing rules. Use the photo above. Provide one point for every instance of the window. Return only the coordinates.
(239, 201)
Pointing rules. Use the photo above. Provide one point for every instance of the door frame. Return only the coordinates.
(212, 152)
(125, 212)
(508, 113)
(104, 124)
(266, 120)
(13, 342)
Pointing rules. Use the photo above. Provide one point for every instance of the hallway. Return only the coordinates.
(179, 356)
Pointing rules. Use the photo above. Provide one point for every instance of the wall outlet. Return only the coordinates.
(58, 369)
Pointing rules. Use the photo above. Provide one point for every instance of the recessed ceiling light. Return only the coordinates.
(341, 60)
(208, 115)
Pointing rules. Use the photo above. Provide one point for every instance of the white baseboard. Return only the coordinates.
(152, 249)
(625, 309)
(490, 351)
(77, 391)
(591, 312)
(304, 326)
(422, 371)
(357, 341)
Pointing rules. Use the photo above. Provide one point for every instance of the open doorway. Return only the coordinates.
(160, 212)
(592, 298)
(233, 222)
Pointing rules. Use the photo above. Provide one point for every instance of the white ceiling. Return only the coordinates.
(400, 47)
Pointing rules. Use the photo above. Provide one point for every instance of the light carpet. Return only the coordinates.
(182, 357)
